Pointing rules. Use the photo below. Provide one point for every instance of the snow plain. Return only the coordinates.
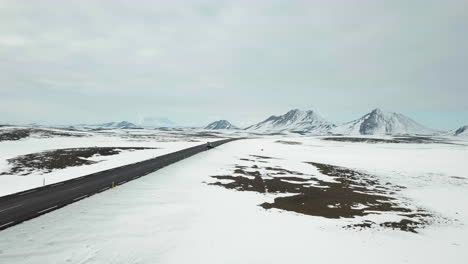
(174, 216)
(162, 142)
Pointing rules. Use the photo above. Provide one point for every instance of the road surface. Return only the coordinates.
(22, 206)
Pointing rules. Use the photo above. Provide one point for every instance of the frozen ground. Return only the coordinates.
(176, 215)
(39, 141)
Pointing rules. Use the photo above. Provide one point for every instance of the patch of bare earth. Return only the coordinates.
(349, 194)
(20, 133)
(286, 142)
(394, 140)
(60, 158)
(11, 135)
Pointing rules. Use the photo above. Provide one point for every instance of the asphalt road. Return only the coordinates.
(19, 207)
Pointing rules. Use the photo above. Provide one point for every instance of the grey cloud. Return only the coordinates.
(242, 60)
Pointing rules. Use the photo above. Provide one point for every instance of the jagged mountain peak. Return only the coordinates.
(380, 122)
(382, 112)
(378, 111)
(294, 120)
(220, 124)
(462, 131)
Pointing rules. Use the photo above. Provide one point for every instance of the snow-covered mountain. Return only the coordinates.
(110, 125)
(462, 131)
(220, 124)
(121, 125)
(294, 120)
(379, 122)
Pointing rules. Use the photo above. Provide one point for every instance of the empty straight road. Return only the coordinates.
(18, 207)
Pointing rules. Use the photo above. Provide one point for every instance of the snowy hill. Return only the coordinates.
(110, 125)
(379, 122)
(220, 124)
(462, 131)
(294, 120)
(121, 125)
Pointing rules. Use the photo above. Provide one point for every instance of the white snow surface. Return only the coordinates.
(173, 216)
(379, 122)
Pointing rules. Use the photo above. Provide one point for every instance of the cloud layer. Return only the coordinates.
(194, 61)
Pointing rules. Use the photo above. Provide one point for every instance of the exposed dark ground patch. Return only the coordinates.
(14, 134)
(261, 157)
(170, 136)
(60, 158)
(156, 137)
(206, 135)
(300, 132)
(43, 133)
(352, 194)
(281, 171)
(401, 140)
(286, 142)
(159, 135)
(20, 133)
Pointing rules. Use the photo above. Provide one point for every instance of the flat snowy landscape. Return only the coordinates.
(214, 131)
(263, 199)
(87, 151)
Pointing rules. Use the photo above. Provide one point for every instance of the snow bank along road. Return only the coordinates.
(18, 207)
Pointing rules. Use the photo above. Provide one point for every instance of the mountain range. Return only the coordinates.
(376, 122)
(148, 122)
(112, 125)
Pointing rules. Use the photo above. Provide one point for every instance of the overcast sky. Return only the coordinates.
(66, 62)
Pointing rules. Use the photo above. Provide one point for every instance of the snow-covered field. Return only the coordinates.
(157, 142)
(177, 215)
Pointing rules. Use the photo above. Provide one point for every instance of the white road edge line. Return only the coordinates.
(48, 209)
(57, 184)
(107, 188)
(7, 224)
(81, 197)
(11, 208)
